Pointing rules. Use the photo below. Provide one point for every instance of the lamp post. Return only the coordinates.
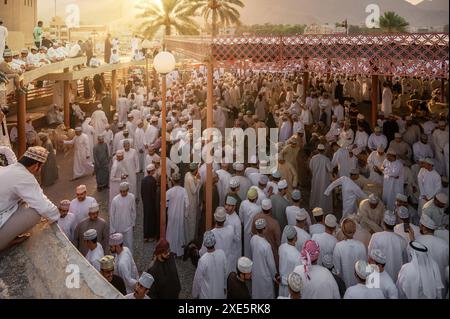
(164, 63)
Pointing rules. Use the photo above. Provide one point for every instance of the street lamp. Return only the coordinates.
(164, 63)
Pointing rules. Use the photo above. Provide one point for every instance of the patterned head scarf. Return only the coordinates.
(310, 254)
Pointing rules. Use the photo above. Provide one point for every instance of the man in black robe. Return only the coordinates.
(237, 288)
(361, 121)
(107, 271)
(101, 163)
(339, 92)
(108, 48)
(390, 127)
(149, 191)
(164, 271)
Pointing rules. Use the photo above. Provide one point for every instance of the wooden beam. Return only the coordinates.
(66, 101)
(209, 124)
(21, 121)
(162, 229)
(43, 71)
(305, 85)
(114, 88)
(374, 109)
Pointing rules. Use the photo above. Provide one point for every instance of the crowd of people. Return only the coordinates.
(351, 211)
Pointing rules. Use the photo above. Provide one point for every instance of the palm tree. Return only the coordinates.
(168, 14)
(392, 22)
(220, 11)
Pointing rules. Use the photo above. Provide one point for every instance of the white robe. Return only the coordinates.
(343, 161)
(289, 259)
(118, 170)
(386, 101)
(387, 285)
(394, 248)
(224, 241)
(438, 250)
(234, 221)
(131, 161)
(264, 269)
(139, 145)
(82, 165)
(126, 269)
(302, 238)
(429, 183)
(99, 122)
(318, 284)
(393, 182)
(210, 279)
(247, 211)
(122, 109)
(361, 291)
(285, 131)
(376, 140)
(81, 209)
(177, 210)
(93, 256)
(68, 224)
(321, 169)
(326, 243)
(192, 186)
(223, 185)
(421, 150)
(361, 140)
(375, 159)
(346, 254)
(122, 218)
(350, 194)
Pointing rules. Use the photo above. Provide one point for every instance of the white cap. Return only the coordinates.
(301, 215)
(429, 161)
(317, 212)
(209, 239)
(260, 224)
(390, 218)
(81, 189)
(220, 215)
(426, 221)
(321, 147)
(146, 280)
(290, 232)
(442, 198)
(331, 221)
(403, 212)
(151, 167)
(90, 234)
(378, 256)
(296, 195)
(234, 182)
(124, 186)
(245, 265)
(94, 207)
(363, 269)
(282, 184)
(116, 239)
(266, 204)
(231, 201)
(239, 167)
(295, 282)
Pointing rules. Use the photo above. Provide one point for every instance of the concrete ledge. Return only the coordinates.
(35, 74)
(36, 269)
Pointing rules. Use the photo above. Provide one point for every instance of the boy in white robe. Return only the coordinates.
(95, 249)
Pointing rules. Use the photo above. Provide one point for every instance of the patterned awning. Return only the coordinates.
(406, 54)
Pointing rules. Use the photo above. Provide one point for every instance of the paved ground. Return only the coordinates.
(65, 189)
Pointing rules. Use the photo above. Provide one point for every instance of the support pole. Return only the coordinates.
(209, 121)
(162, 229)
(147, 75)
(114, 88)
(21, 121)
(305, 85)
(66, 101)
(443, 90)
(374, 110)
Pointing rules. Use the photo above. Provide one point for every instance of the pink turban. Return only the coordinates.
(310, 254)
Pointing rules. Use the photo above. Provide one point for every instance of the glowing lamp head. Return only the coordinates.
(164, 62)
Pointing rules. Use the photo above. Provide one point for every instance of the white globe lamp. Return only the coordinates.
(164, 63)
